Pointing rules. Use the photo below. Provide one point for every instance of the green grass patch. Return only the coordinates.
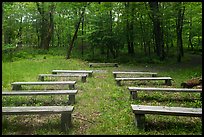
(101, 106)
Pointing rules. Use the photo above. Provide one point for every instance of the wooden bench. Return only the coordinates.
(89, 72)
(42, 76)
(71, 93)
(132, 72)
(140, 111)
(65, 112)
(134, 90)
(17, 85)
(167, 79)
(103, 64)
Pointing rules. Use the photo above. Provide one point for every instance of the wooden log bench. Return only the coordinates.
(65, 111)
(41, 77)
(89, 72)
(166, 79)
(140, 111)
(134, 90)
(71, 93)
(132, 72)
(17, 85)
(104, 64)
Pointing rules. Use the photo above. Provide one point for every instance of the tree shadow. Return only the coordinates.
(166, 99)
(28, 125)
(170, 125)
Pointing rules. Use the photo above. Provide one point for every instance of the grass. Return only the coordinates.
(101, 106)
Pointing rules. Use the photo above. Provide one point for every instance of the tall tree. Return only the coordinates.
(157, 29)
(47, 24)
(179, 27)
(76, 31)
(129, 26)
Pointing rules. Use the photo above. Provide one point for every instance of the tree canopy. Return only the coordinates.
(109, 29)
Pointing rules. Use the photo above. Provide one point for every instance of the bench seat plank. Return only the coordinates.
(44, 83)
(38, 92)
(133, 72)
(164, 89)
(71, 93)
(145, 78)
(140, 111)
(33, 109)
(65, 111)
(17, 85)
(83, 76)
(133, 90)
(89, 72)
(167, 79)
(164, 110)
(103, 64)
(64, 75)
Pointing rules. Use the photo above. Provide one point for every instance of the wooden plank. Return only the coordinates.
(38, 92)
(164, 110)
(167, 79)
(103, 64)
(140, 111)
(36, 110)
(63, 75)
(164, 89)
(144, 78)
(71, 93)
(89, 72)
(83, 76)
(17, 85)
(133, 72)
(44, 83)
(65, 112)
(134, 90)
(73, 71)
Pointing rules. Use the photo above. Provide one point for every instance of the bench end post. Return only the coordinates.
(66, 121)
(83, 79)
(133, 95)
(140, 121)
(168, 82)
(71, 99)
(118, 82)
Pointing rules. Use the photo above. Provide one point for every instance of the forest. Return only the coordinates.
(105, 30)
(102, 68)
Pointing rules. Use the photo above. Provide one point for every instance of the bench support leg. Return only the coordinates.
(140, 121)
(71, 86)
(90, 74)
(114, 75)
(71, 99)
(133, 95)
(66, 121)
(154, 75)
(83, 79)
(118, 82)
(41, 78)
(168, 82)
(16, 87)
(201, 96)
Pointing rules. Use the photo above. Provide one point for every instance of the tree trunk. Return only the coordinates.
(157, 30)
(47, 24)
(190, 34)
(82, 40)
(75, 34)
(179, 25)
